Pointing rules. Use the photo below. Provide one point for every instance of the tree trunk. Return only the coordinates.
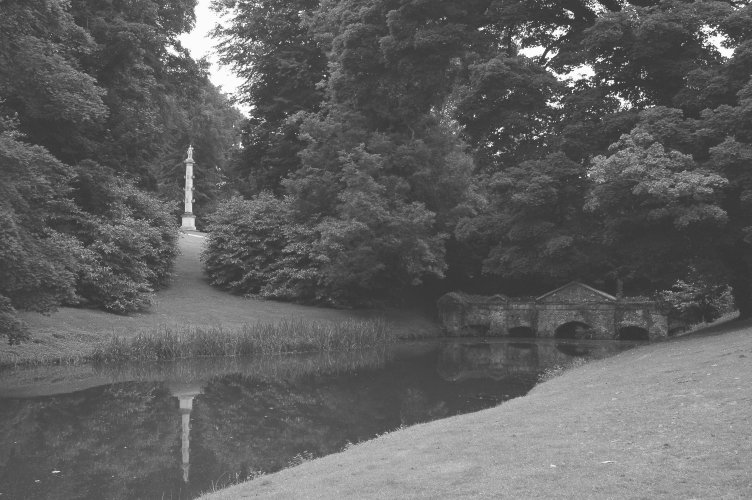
(739, 262)
(742, 292)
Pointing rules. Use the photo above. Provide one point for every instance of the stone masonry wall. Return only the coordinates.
(600, 317)
(465, 315)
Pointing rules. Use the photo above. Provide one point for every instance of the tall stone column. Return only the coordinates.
(189, 220)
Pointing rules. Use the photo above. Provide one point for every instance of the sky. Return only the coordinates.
(200, 44)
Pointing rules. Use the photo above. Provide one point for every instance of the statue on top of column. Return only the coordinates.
(190, 152)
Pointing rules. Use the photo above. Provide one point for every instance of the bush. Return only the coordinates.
(10, 325)
(72, 235)
(37, 264)
(246, 241)
(372, 248)
(129, 250)
(696, 300)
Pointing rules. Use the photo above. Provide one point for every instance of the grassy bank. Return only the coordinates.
(668, 420)
(71, 335)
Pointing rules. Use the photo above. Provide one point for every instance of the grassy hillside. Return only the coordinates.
(668, 420)
(190, 300)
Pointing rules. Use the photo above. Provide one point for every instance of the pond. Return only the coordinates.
(176, 430)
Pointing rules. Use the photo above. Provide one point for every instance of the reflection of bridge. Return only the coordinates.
(572, 311)
(503, 359)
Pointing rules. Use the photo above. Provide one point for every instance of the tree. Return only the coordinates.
(65, 219)
(73, 235)
(667, 211)
(134, 43)
(282, 66)
(658, 205)
(246, 238)
(37, 263)
(465, 118)
(129, 240)
(58, 104)
(535, 226)
(645, 52)
(506, 110)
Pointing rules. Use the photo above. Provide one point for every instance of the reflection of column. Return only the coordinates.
(185, 392)
(186, 405)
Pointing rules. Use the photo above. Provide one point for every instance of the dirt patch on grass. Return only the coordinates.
(70, 333)
(669, 420)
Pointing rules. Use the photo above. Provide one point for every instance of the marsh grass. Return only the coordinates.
(260, 338)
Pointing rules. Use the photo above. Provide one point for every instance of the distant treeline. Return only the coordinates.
(98, 104)
(398, 146)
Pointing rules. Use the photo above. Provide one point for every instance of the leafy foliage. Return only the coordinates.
(88, 89)
(246, 239)
(36, 263)
(76, 235)
(601, 140)
(282, 66)
(696, 300)
(130, 249)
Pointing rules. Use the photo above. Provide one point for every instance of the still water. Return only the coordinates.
(175, 430)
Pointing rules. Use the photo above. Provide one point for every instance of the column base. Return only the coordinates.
(189, 222)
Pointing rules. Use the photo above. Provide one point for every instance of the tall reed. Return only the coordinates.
(261, 338)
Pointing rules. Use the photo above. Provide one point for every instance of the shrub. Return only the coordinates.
(70, 235)
(129, 250)
(697, 300)
(371, 248)
(37, 264)
(246, 239)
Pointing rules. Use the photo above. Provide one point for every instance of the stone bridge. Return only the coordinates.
(574, 311)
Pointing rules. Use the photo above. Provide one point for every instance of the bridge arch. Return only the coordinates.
(573, 330)
(522, 331)
(633, 332)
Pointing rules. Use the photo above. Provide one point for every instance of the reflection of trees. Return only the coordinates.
(242, 424)
(275, 367)
(251, 415)
(119, 441)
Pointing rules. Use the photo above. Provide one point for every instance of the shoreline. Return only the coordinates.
(665, 420)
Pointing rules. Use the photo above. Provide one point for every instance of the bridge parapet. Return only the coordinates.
(572, 311)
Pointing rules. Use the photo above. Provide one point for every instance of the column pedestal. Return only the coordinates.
(189, 222)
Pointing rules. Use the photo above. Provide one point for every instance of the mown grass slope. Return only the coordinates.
(189, 301)
(668, 420)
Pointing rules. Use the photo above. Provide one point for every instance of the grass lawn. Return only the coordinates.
(72, 333)
(667, 420)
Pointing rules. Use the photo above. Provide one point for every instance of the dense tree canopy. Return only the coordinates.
(533, 142)
(392, 144)
(98, 102)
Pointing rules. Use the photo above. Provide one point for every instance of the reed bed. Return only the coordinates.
(260, 338)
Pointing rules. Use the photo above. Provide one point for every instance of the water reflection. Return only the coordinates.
(173, 430)
(185, 394)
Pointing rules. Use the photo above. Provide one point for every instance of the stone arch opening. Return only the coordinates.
(574, 330)
(633, 332)
(524, 332)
